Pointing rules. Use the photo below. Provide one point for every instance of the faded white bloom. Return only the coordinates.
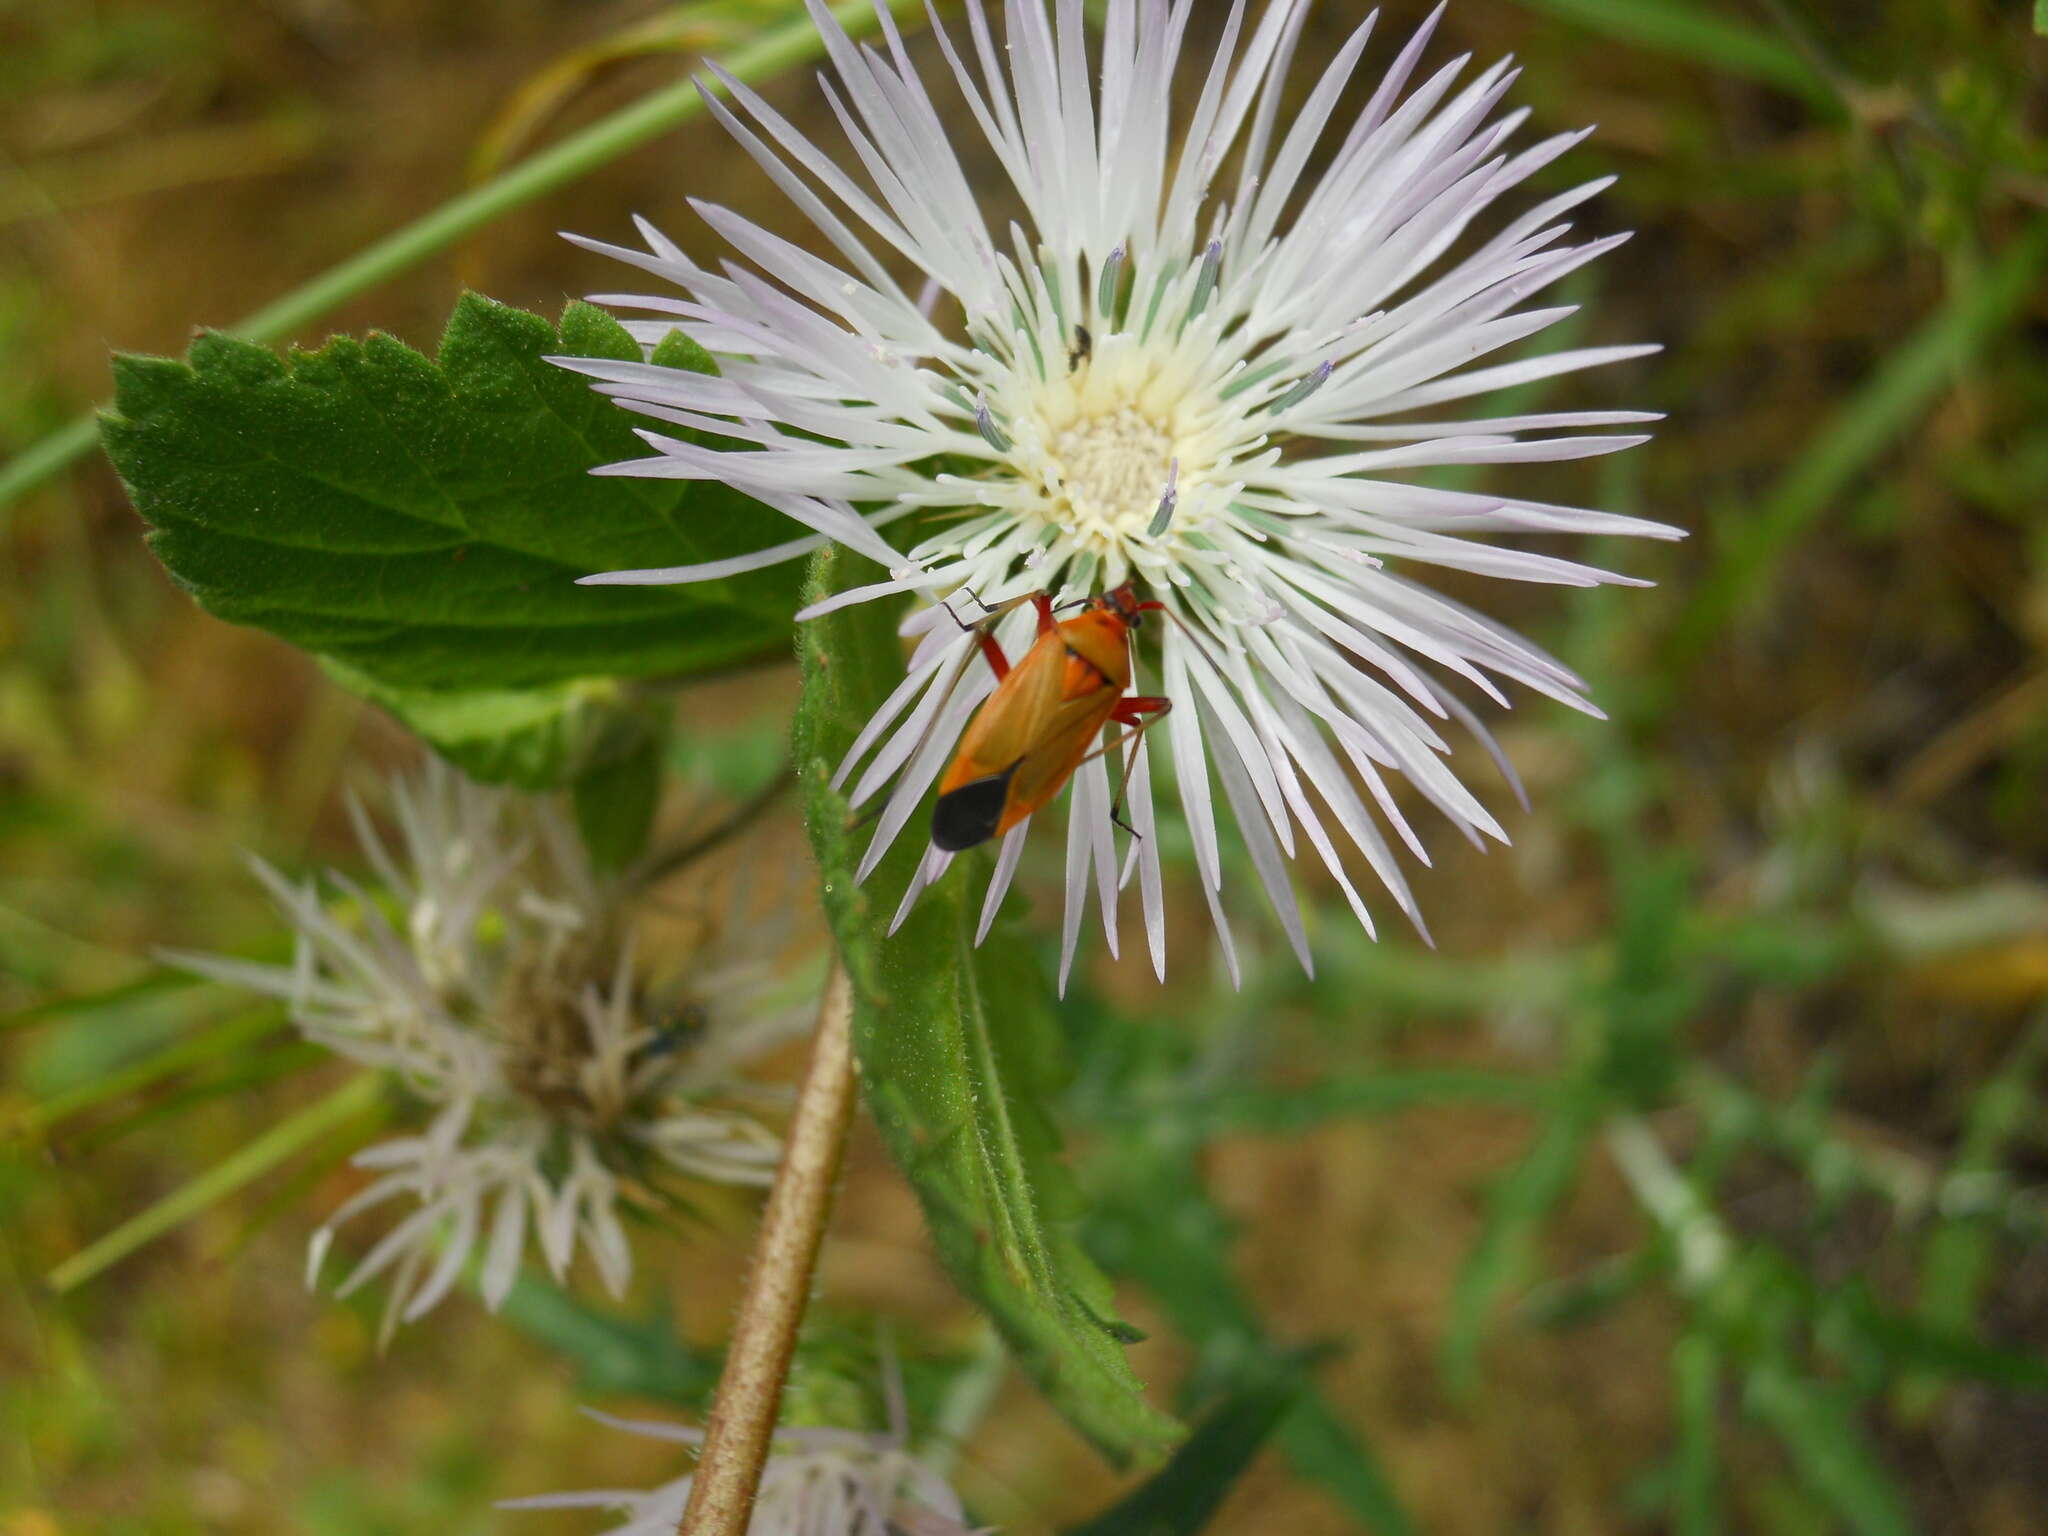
(1209, 381)
(503, 997)
(818, 1482)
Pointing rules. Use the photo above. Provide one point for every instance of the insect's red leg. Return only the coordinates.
(1137, 708)
(984, 627)
(1042, 601)
(998, 663)
(1140, 711)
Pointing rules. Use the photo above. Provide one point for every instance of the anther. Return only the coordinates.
(1167, 503)
(1301, 389)
(985, 420)
(1106, 285)
(1205, 280)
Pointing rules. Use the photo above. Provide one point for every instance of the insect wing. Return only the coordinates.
(1069, 733)
(1013, 718)
(1027, 739)
(1092, 654)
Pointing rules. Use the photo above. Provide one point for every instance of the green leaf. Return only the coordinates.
(532, 738)
(423, 522)
(1956, 1265)
(1182, 1497)
(615, 1355)
(1300, 1107)
(228, 1038)
(1516, 1207)
(1910, 1343)
(1923, 365)
(1696, 1386)
(1153, 1220)
(615, 803)
(1701, 34)
(960, 1060)
(1828, 1450)
(113, 999)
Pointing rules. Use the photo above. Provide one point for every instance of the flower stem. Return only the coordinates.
(603, 141)
(749, 1399)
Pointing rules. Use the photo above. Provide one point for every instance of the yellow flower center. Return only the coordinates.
(1105, 473)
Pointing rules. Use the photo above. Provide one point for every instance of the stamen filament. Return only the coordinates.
(985, 420)
(1301, 389)
(1107, 285)
(1164, 516)
(1205, 280)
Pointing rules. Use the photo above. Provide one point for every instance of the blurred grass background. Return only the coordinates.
(1801, 877)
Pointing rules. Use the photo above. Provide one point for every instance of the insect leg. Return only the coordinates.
(962, 623)
(992, 653)
(1140, 712)
(1139, 708)
(983, 628)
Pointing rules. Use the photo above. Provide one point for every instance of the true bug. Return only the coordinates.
(1037, 728)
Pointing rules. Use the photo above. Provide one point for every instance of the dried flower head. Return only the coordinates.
(493, 977)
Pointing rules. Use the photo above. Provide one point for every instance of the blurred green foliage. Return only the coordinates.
(1692, 1184)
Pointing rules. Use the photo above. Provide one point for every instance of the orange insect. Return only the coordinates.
(1037, 728)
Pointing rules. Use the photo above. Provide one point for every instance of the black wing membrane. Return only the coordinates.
(967, 817)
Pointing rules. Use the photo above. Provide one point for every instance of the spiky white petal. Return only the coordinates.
(1217, 391)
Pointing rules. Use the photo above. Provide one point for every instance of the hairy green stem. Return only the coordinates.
(605, 140)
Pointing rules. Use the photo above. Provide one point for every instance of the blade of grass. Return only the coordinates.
(1957, 1260)
(603, 141)
(1906, 385)
(84, 1003)
(265, 1067)
(1516, 1206)
(1279, 1110)
(221, 1039)
(356, 1099)
(1184, 1495)
(1702, 35)
(1158, 1226)
(318, 1159)
(1696, 1390)
(1828, 1450)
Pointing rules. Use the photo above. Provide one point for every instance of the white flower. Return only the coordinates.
(818, 1482)
(505, 999)
(1196, 380)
